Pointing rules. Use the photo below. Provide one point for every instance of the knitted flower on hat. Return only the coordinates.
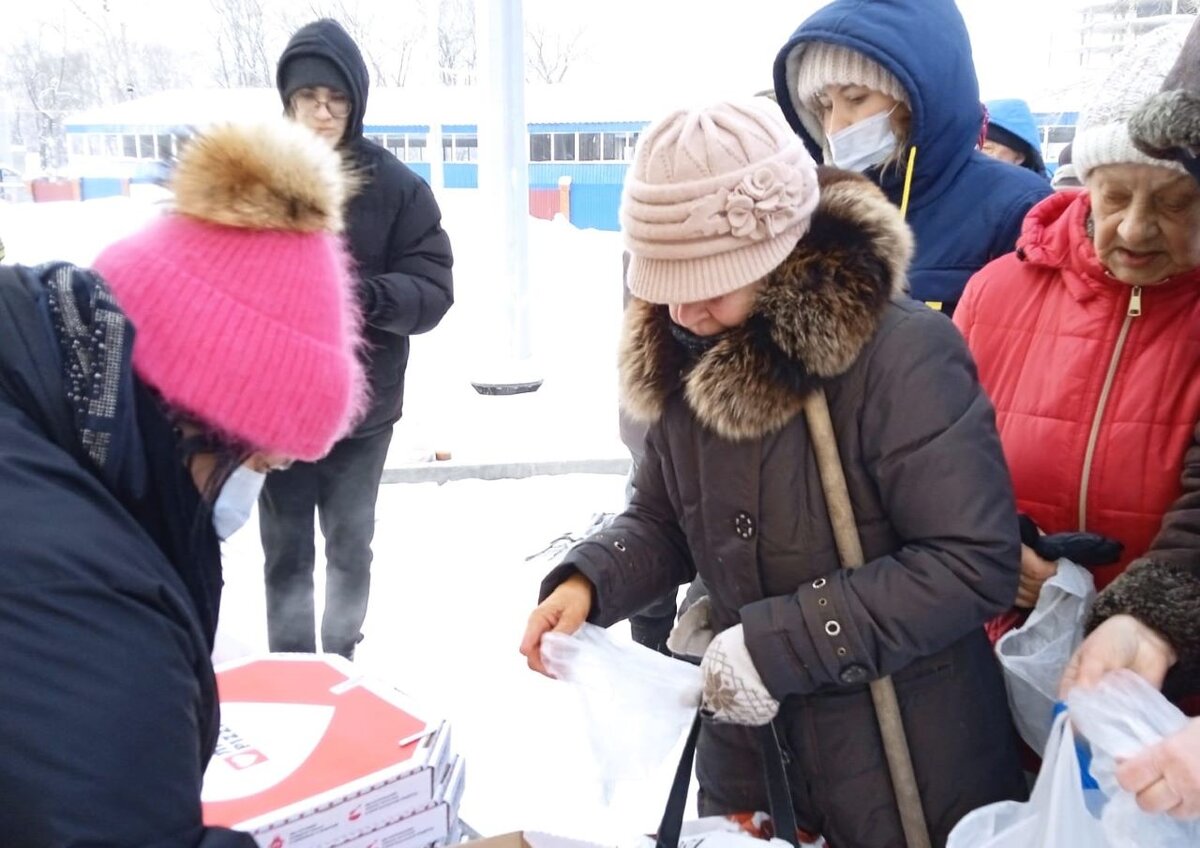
(715, 200)
(241, 297)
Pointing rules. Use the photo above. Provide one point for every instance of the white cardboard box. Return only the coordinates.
(312, 754)
(431, 826)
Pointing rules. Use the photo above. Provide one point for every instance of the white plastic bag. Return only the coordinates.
(1034, 656)
(1120, 717)
(1059, 814)
(637, 702)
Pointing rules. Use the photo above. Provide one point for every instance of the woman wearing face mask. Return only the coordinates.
(876, 87)
(141, 402)
(1088, 336)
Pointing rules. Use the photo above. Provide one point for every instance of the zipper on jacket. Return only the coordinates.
(1134, 311)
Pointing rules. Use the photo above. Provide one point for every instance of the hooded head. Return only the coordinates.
(323, 54)
(241, 298)
(1167, 125)
(1011, 123)
(923, 46)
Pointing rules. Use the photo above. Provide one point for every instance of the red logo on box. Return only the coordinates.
(277, 842)
(356, 814)
(245, 759)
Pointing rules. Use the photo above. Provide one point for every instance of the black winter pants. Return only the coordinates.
(342, 488)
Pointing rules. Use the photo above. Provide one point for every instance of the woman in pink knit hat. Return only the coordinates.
(142, 401)
(759, 281)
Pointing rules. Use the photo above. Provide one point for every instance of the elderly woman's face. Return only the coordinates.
(717, 314)
(1147, 222)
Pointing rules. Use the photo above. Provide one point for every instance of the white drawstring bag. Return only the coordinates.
(637, 702)
(1035, 655)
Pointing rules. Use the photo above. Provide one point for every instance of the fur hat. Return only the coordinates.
(1167, 126)
(714, 200)
(1103, 135)
(241, 297)
(819, 64)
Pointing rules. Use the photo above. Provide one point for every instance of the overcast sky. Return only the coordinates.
(695, 46)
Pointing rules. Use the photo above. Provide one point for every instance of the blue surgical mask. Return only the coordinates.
(236, 500)
(865, 144)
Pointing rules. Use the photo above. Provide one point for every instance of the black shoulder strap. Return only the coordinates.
(779, 796)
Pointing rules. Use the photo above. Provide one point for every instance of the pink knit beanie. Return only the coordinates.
(715, 199)
(241, 297)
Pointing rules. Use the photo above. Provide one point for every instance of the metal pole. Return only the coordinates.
(504, 179)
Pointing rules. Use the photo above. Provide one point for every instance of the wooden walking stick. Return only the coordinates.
(883, 693)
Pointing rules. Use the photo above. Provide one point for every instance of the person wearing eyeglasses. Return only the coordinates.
(402, 259)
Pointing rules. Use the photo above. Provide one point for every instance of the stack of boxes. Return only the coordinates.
(314, 755)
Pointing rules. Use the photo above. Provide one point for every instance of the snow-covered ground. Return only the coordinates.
(451, 585)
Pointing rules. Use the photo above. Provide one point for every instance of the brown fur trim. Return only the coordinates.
(815, 313)
(268, 176)
(1164, 596)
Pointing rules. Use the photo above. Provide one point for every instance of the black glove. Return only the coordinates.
(1086, 549)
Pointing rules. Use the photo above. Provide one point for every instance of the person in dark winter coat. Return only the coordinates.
(141, 403)
(403, 261)
(1012, 135)
(752, 288)
(1148, 619)
(867, 83)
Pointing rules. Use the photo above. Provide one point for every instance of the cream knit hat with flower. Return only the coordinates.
(715, 199)
(1137, 73)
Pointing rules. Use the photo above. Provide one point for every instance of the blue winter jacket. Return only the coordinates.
(965, 208)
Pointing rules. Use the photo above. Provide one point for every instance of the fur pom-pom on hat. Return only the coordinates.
(241, 297)
(271, 176)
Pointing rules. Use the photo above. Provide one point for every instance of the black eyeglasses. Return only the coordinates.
(306, 100)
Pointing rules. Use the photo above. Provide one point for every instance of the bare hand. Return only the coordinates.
(1120, 642)
(564, 611)
(1035, 571)
(1166, 777)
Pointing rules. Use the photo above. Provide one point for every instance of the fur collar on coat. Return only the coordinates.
(814, 315)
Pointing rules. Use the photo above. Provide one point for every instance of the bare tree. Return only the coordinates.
(241, 44)
(127, 68)
(54, 80)
(549, 55)
(456, 42)
(385, 38)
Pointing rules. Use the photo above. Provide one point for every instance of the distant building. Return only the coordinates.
(1107, 27)
(587, 137)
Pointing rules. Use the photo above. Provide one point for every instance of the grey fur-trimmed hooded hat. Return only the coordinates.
(1167, 125)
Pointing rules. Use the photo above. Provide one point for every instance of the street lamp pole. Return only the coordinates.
(504, 184)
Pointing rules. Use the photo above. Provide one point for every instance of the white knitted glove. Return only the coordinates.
(733, 691)
(691, 635)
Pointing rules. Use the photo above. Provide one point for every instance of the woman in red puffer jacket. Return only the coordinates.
(1088, 336)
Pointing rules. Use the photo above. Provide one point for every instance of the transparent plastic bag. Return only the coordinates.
(637, 702)
(1120, 717)
(1060, 812)
(1035, 655)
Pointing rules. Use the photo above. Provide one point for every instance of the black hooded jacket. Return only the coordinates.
(110, 580)
(393, 230)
